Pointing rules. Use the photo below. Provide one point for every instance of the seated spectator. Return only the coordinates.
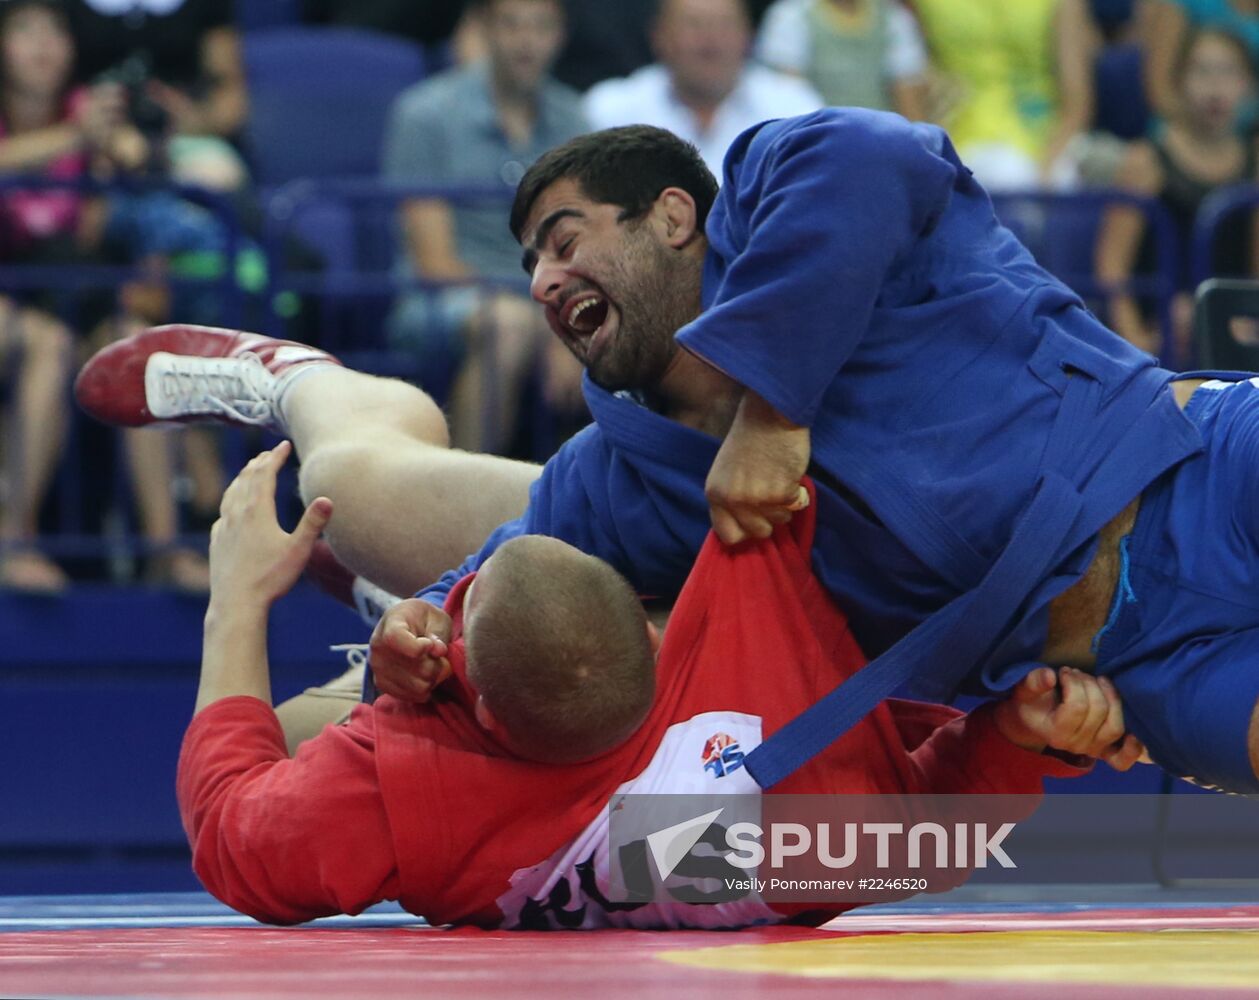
(1200, 150)
(1119, 71)
(428, 22)
(1015, 84)
(703, 87)
(50, 127)
(448, 29)
(181, 61)
(482, 124)
(856, 53)
(1165, 26)
(605, 41)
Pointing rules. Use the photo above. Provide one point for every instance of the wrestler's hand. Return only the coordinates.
(253, 560)
(408, 651)
(1069, 711)
(754, 483)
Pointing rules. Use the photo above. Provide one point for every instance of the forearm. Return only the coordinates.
(36, 149)
(430, 234)
(970, 756)
(234, 654)
(1126, 320)
(1162, 28)
(226, 106)
(909, 98)
(756, 412)
(1068, 128)
(1117, 248)
(1077, 45)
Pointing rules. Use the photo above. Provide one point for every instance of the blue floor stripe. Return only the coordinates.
(174, 910)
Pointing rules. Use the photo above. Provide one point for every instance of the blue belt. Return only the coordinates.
(1062, 515)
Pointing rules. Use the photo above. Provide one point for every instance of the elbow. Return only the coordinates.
(235, 891)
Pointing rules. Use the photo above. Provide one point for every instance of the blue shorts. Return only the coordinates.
(1182, 643)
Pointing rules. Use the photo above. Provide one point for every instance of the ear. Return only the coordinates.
(675, 217)
(654, 637)
(484, 717)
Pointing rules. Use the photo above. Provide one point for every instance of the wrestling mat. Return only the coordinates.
(1125, 943)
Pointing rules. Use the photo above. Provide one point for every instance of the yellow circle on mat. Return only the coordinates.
(1218, 958)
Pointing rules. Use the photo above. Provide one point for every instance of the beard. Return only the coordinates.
(657, 293)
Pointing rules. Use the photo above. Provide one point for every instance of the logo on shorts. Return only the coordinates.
(722, 754)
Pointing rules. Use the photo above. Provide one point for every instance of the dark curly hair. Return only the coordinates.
(627, 167)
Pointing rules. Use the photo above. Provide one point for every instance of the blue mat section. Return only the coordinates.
(98, 687)
(197, 909)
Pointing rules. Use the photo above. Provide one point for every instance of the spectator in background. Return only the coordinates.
(856, 53)
(48, 126)
(605, 41)
(1165, 26)
(1199, 150)
(703, 87)
(482, 124)
(1119, 72)
(184, 56)
(43, 127)
(428, 22)
(1015, 84)
(448, 29)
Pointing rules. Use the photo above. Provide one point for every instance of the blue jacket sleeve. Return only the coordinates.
(813, 214)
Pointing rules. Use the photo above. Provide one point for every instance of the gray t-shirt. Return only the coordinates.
(446, 131)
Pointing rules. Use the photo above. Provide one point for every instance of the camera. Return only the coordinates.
(133, 75)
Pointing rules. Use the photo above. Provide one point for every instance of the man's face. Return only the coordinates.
(524, 37)
(612, 291)
(704, 44)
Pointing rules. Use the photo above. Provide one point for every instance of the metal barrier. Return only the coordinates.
(353, 224)
(1217, 209)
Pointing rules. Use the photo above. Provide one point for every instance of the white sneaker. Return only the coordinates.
(239, 390)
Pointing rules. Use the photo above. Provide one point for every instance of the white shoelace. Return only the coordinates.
(238, 389)
(355, 653)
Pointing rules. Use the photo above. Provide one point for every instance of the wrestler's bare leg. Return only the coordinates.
(407, 506)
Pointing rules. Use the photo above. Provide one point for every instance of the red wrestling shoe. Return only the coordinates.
(330, 575)
(187, 374)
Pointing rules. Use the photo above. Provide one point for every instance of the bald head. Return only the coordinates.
(558, 649)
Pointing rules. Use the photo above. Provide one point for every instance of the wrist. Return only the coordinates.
(235, 613)
(1006, 719)
(754, 409)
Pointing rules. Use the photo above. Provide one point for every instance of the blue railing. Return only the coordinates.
(1061, 230)
(353, 225)
(1217, 209)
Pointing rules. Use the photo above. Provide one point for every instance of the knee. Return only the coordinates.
(46, 340)
(398, 408)
(324, 472)
(424, 418)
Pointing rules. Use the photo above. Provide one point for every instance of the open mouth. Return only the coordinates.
(583, 316)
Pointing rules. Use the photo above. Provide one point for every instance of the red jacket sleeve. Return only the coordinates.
(284, 840)
(955, 754)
